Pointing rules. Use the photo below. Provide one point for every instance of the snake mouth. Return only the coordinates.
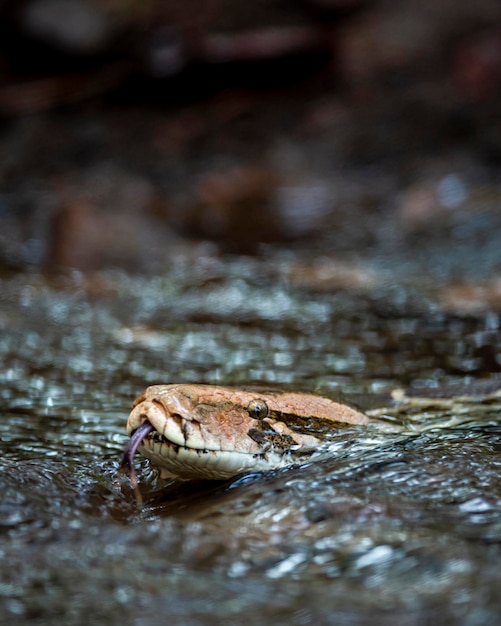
(184, 462)
(192, 463)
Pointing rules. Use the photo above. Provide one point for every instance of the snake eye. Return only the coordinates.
(258, 409)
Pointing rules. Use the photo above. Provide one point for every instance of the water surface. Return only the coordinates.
(404, 529)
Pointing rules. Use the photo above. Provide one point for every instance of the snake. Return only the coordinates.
(198, 431)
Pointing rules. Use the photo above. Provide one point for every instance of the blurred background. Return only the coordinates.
(133, 131)
(294, 193)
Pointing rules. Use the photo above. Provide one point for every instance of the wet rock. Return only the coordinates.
(473, 298)
(105, 220)
(235, 208)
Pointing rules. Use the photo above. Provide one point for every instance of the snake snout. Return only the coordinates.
(147, 411)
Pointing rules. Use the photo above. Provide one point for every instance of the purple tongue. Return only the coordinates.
(128, 458)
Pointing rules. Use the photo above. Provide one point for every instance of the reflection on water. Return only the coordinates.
(406, 528)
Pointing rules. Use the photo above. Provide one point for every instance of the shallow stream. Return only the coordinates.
(404, 530)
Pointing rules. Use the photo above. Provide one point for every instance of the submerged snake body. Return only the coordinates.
(211, 432)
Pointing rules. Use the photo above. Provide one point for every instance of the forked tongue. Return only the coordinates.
(127, 463)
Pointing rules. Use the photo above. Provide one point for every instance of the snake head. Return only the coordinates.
(212, 432)
(195, 432)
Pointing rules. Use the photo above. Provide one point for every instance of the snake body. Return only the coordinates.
(212, 432)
